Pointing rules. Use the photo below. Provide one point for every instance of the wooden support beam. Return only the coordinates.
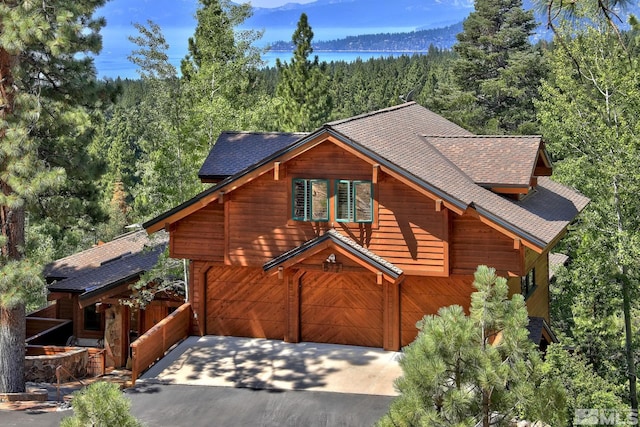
(517, 243)
(376, 174)
(438, 205)
(379, 278)
(221, 198)
(280, 273)
(276, 171)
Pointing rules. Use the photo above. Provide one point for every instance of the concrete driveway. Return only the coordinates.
(276, 365)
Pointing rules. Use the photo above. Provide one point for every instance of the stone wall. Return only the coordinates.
(42, 368)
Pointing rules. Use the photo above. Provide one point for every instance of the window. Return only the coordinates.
(528, 283)
(354, 201)
(310, 200)
(92, 319)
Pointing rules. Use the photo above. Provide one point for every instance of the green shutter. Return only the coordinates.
(363, 201)
(319, 196)
(344, 205)
(299, 199)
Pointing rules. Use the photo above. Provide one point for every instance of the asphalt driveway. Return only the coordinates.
(276, 365)
(226, 381)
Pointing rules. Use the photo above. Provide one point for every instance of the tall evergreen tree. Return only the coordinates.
(464, 370)
(303, 89)
(498, 71)
(591, 116)
(46, 85)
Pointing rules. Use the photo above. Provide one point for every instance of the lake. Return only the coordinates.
(112, 61)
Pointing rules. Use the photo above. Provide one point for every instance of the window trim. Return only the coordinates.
(528, 283)
(308, 201)
(352, 200)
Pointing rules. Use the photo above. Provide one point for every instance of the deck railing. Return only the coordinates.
(153, 344)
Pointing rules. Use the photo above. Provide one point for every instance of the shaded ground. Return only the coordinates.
(276, 365)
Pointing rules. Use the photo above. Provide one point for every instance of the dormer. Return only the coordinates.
(506, 165)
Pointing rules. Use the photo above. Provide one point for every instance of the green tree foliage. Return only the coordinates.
(585, 388)
(590, 114)
(101, 404)
(462, 369)
(218, 74)
(305, 101)
(47, 87)
(498, 71)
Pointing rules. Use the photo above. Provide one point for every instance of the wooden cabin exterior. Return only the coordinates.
(87, 288)
(351, 234)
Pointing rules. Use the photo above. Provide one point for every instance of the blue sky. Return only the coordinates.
(275, 3)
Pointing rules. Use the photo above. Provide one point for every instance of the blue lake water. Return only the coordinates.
(112, 61)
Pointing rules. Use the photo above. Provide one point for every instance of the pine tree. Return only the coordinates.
(498, 71)
(590, 113)
(303, 89)
(46, 85)
(462, 369)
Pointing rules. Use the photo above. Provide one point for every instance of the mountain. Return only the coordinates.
(414, 41)
(415, 14)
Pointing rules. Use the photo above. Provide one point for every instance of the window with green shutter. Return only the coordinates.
(354, 201)
(310, 198)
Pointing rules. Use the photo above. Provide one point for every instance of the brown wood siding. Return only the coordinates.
(420, 296)
(474, 243)
(197, 275)
(328, 161)
(258, 216)
(343, 308)
(65, 308)
(245, 302)
(409, 231)
(200, 235)
(538, 301)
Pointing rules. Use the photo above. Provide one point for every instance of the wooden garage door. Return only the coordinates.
(343, 308)
(244, 302)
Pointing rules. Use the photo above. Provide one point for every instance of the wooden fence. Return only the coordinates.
(153, 344)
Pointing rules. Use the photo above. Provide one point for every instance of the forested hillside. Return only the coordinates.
(415, 41)
(83, 159)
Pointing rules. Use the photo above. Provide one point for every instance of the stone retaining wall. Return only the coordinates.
(42, 368)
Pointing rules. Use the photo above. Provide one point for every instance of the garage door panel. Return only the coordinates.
(341, 309)
(244, 302)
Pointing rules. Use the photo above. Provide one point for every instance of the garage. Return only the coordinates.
(244, 302)
(343, 308)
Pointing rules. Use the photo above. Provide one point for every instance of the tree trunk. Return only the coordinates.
(12, 349)
(631, 368)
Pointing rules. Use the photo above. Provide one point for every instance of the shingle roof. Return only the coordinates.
(235, 151)
(115, 272)
(395, 138)
(491, 160)
(556, 260)
(106, 265)
(536, 326)
(345, 243)
(73, 264)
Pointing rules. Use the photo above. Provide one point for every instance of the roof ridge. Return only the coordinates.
(447, 160)
(482, 136)
(372, 113)
(251, 132)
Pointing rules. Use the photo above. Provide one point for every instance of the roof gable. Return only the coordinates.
(492, 161)
(110, 264)
(393, 139)
(345, 245)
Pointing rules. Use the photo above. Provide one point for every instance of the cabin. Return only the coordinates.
(352, 233)
(87, 289)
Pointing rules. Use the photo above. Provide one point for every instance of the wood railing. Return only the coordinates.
(153, 344)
